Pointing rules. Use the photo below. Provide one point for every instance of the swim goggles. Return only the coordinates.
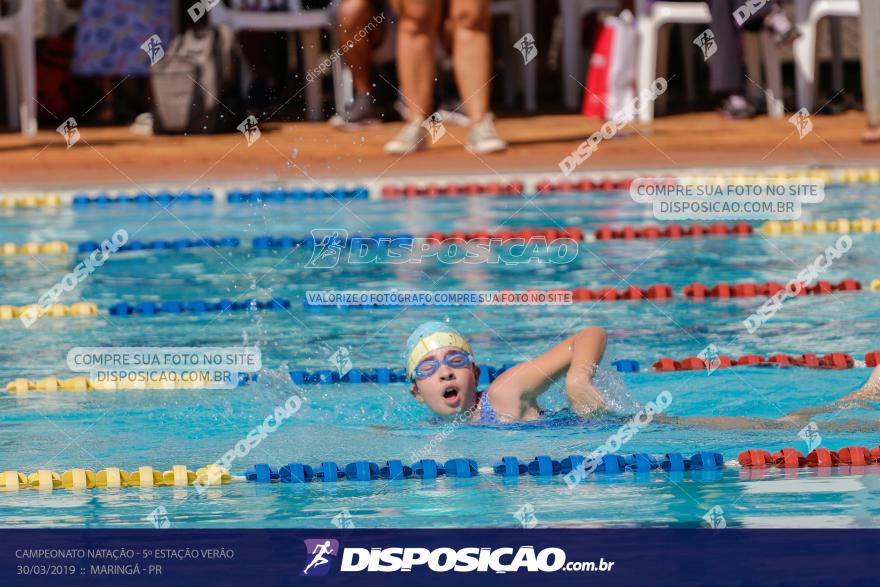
(454, 359)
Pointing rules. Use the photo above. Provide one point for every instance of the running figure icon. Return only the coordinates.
(319, 550)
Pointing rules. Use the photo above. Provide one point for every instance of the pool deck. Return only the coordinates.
(117, 159)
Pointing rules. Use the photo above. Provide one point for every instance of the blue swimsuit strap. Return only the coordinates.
(487, 414)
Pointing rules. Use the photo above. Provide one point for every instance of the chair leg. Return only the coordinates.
(572, 66)
(512, 73)
(343, 90)
(686, 34)
(311, 53)
(530, 77)
(772, 77)
(662, 67)
(647, 67)
(804, 50)
(27, 90)
(10, 76)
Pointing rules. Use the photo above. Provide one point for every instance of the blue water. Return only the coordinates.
(378, 422)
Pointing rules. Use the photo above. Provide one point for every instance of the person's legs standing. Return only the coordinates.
(472, 62)
(417, 25)
(418, 21)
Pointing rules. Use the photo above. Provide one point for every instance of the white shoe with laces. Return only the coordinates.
(483, 138)
(412, 137)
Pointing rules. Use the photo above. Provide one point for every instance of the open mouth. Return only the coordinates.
(450, 395)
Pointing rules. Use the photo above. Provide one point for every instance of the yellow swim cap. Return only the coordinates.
(430, 336)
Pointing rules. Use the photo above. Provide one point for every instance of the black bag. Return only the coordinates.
(196, 85)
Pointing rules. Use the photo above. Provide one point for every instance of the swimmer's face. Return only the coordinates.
(449, 390)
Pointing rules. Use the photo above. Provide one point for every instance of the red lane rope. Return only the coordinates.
(809, 360)
(629, 232)
(698, 291)
(792, 458)
(549, 234)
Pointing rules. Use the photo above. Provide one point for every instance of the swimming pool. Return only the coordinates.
(347, 422)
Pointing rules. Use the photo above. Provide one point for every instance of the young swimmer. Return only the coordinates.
(441, 370)
(442, 374)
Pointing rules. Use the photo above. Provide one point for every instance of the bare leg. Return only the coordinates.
(354, 17)
(472, 54)
(416, 34)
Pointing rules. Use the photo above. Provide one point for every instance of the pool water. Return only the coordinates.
(347, 422)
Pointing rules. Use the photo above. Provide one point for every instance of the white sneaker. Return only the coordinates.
(483, 138)
(412, 137)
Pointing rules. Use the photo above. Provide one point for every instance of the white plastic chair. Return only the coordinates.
(650, 20)
(521, 18)
(308, 22)
(808, 13)
(571, 13)
(19, 64)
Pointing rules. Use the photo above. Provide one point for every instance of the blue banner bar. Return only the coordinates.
(595, 557)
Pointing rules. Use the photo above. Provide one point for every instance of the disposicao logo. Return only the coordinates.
(317, 552)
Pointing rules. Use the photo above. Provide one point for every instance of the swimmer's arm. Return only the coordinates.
(869, 392)
(516, 390)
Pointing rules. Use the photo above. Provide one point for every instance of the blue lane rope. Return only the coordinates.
(162, 197)
(287, 194)
(235, 196)
(509, 466)
(257, 243)
(195, 307)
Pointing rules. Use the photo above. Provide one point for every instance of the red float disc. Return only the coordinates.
(695, 290)
(666, 364)
(808, 360)
(789, 458)
(750, 360)
(720, 290)
(838, 361)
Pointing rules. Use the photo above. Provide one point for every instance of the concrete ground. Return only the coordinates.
(291, 152)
